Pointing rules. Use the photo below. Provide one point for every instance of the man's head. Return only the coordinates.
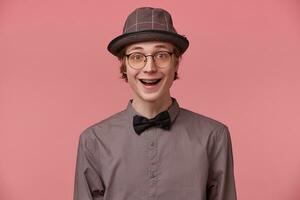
(123, 56)
(150, 50)
(150, 68)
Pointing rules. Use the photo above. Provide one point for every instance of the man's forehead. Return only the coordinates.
(149, 45)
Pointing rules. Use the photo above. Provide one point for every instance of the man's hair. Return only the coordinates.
(121, 58)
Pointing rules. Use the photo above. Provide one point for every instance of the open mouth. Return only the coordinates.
(149, 82)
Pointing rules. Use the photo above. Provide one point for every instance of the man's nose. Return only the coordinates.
(150, 65)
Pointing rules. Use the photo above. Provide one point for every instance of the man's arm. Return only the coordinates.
(88, 184)
(221, 184)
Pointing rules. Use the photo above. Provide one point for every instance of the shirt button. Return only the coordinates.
(152, 175)
(152, 144)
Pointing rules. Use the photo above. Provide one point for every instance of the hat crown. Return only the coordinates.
(148, 24)
(147, 18)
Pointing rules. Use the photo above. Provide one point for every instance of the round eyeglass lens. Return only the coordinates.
(162, 58)
(137, 60)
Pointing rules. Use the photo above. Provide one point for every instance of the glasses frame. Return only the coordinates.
(146, 57)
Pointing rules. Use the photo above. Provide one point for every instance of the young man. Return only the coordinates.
(153, 149)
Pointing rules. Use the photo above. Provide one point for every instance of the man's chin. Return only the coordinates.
(153, 97)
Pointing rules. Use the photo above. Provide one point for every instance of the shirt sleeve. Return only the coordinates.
(88, 184)
(221, 184)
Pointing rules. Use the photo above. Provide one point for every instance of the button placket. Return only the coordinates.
(153, 162)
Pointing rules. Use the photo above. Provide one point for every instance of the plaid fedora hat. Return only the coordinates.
(148, 24)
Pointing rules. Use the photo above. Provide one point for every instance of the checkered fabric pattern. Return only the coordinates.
(149, 19)
(148, 24)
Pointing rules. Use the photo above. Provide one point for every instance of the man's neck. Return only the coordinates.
(150, 109)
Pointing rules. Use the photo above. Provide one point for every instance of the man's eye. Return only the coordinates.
(137, 57)
(162, 55)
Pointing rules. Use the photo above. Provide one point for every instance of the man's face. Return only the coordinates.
(152, 82)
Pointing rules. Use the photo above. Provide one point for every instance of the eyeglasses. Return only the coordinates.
(137, 60)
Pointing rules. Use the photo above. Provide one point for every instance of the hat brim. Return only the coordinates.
(117, 44)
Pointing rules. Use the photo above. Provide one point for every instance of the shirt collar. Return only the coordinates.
(173, 110)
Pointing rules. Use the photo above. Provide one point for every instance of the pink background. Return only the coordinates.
(57, 78)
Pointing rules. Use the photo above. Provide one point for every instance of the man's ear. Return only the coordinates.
(179, 60)
(125, 66)
(178, 63)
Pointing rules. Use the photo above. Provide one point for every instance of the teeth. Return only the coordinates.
(150, 81)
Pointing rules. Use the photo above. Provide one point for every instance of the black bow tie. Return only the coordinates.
(162, 120)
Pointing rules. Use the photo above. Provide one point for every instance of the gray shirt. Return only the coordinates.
(193, 160)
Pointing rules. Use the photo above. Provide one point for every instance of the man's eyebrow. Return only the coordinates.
(156, 47)
(135, 48)
(161, 46)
